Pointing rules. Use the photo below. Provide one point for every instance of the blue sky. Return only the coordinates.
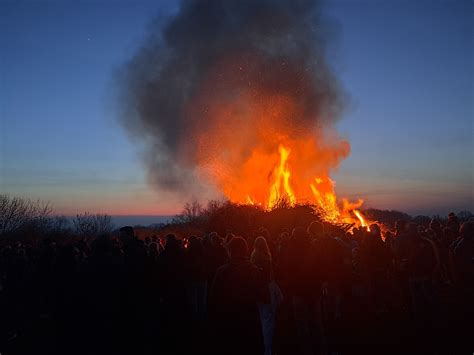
(406, 65)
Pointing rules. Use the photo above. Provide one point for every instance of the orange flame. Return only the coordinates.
(282, 174)
(361, 219)
(326, 201)
(322, 189)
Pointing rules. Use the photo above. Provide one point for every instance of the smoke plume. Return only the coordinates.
(221, 82)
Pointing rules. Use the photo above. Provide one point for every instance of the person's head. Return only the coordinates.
(154, 250)
(194, 243)
(126, 234)
(435, 224)
(21, 252)
(263, 232)
(237, 248)
(400, 226)
(215, 239)
(316, 229)
(299, 234)
(260, 247)
(284, 236)
(467, 229)
(355, 252)
(171, 242)
(102, 244)
(453, 223)
(206, 241)
(375, 230)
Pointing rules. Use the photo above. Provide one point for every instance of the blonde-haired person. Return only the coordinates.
(262, 258)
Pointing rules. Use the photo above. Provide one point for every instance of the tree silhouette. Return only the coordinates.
(90, 225)
(17, 213)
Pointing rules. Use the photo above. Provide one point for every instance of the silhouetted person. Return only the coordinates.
(127, 235)
(375, 258)
(216, 255)
(175, 310)
(234, 294)
(463, 257)
(453, 224)
(435, 233)
(104, 303)
(421, 266)
(436, 230)
(136, 287)
(262, 258)
(301, 286)
(463, 251)
(196, 274)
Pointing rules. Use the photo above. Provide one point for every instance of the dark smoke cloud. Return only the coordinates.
(289, 40)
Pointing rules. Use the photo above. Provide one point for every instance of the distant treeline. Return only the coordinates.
(32, 219)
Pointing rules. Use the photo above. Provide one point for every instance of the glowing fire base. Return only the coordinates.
(322, 189)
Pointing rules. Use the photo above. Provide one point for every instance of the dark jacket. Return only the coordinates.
(233, 308)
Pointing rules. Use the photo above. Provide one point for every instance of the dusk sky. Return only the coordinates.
(407, 67)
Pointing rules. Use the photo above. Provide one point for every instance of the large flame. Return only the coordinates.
(281, 188)
(323, 190)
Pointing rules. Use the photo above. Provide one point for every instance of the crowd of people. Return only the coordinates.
(307, 290)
